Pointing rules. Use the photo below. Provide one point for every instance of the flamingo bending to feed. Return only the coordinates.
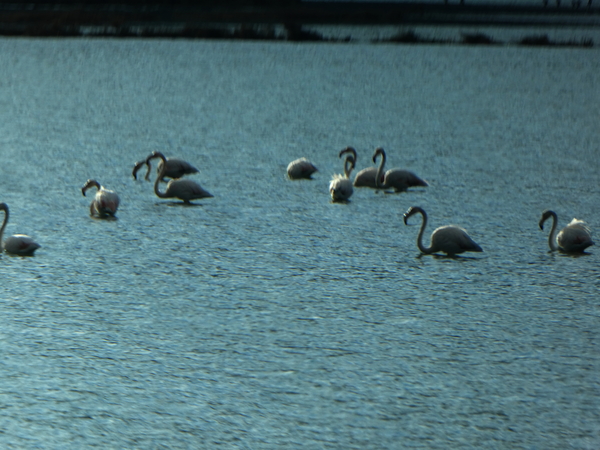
(18, 244)
(182, 189)
(105, 202)
(301, 168)
(340, 186)
(449, 239)
(398, 179)
(176, 168)
(574, 238)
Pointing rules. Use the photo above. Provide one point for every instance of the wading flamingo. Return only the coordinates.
(368, 177)
(176, 168)
(449, 239)
(397, 179)
(18, 244)
(105, 202)
(340, 186)
(182, 189)
(301, 168)
(574, 238)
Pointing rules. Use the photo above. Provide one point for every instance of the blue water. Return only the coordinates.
(267, 316)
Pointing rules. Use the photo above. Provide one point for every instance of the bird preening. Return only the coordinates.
(105, 203)
(17, 244)
(340, 187)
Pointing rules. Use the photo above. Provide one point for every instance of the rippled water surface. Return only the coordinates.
(268, 317)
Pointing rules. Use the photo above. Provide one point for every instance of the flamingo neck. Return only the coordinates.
(378, 181)
(90, 184)
(348, 166)
(420, 236)
(552, 235)
(161, 174)
(2, 229)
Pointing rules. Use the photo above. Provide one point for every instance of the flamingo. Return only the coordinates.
(182, 189)
(301, 168)
(176, 168)
(105, 202)
(574, 238)
(398, 179)
(340, 186)
(18, 244)
(368, 177)
(449, 239)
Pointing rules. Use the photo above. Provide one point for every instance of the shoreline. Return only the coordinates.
(286, 20)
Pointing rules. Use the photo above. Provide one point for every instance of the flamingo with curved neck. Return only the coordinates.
(350, 150)
(370, 176)
(105, 203)
(183, 189)
(340, 187)
(449, 239)
(574, 238)
(398, 179)
(380, 177)
(176, 168)
(17, 244)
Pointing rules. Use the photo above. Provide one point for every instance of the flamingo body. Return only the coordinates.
(367, 178)
(448, 239)
(186, 190)
(400, 180)
(105, 203)
(18, 244)
(574, 238)
(340, 187)
(301, 168)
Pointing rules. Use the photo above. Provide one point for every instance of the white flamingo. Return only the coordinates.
(398, 179)
(574, 238)
(368, 177)
(449, 239)
(301, 168)
(176, 168)
(18, 244)
(105, 202)
(182, 189)
(340, 186)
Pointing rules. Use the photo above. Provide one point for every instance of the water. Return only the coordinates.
(268, 317)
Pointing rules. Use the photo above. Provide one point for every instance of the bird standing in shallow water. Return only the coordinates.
(186, 190)
(17, 244)
(176, 168)
(397, 179)
(574, 238)
(368, 177)
(301, 168)
(449, 239)
(105, 202)
(340, 187)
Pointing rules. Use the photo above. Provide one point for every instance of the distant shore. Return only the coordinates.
(283, 20)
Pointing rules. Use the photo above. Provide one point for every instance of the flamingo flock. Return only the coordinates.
(449, 239)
